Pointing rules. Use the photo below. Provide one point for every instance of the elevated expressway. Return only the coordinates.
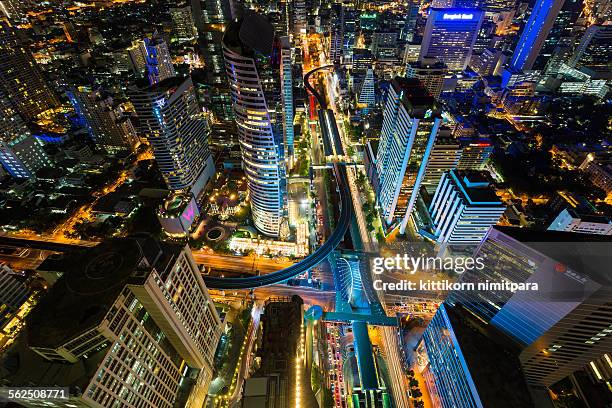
(332, 147)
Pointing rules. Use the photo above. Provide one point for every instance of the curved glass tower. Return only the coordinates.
(248, 46)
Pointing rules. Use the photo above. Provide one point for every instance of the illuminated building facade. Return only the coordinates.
(183, 24)
(105, 122)
(248, 45)
(450, 358)
(287, 96)
(430, 72)
(20, 77)
(564, 324)
(138, 327)
(450, 35)
(464, 207)
(159, 61)
(444, 157)
(570, 221)
(21, 154)
(534, 34)
(169, 118)
(411, 124)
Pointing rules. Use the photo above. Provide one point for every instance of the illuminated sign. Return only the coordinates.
(457, 16)
(190, 213)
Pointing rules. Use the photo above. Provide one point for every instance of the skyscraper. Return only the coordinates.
(366, 98)
(287, 96)
(594, 50)
(534, 34)
(183, 23)
(129, 323)
(159, 61)
(430, 72)
(20, 77)
(248, 46)
(450, 34)
(21, 154)
(106, 124)
(411, 122)
(444, 157)
(464, 207)
(455, 357)
(567, 321)
(170, 119)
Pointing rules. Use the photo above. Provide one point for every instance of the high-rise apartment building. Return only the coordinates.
(247, 45)
(129, 323)
(444, 157)
(430, 72)
(170, 118)
(534, 34)
(20, 77)
(21, 154)
(571, 221)
(366, 98)
(566, 320)
(159, 61)
(286, 71)
(107, 126)
(137, 57)
(464, 207)
(411, 122)
(450, 35)
(183, 23)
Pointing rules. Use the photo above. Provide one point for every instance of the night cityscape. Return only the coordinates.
(306, 204)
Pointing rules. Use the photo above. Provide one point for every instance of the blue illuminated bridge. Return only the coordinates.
(332, 146)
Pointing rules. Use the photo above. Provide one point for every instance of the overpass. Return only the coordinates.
(332, 146)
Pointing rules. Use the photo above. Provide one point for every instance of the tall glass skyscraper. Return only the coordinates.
(567, 321)
(411, 122)
(168, 113)
(248, 46)
(450, 35)
(534, 33)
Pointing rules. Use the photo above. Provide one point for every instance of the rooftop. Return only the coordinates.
(91, 281)
(475, 187)
(416, 97)
(251, 33)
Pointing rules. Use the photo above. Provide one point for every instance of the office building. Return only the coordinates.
(464, 207)
(287, 97)
(444, 157)
(20, 77)
(594, 50)
(159, 61)
(411, 122)
(561, 35)
(465, 364)
(336, 32)
(366, 98)
(247, 46)
(183, 24)
(567, 321)
(137, 57)
(273, 385)
(570, 221)
(300, 17)
(412, 14)
(534, 34)
(450, 35)
(362, 61)
(169, 118)
(105, 121)
(489, 62)
(129, 323)
(430, 72)
(475, 153)
(21, 154)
